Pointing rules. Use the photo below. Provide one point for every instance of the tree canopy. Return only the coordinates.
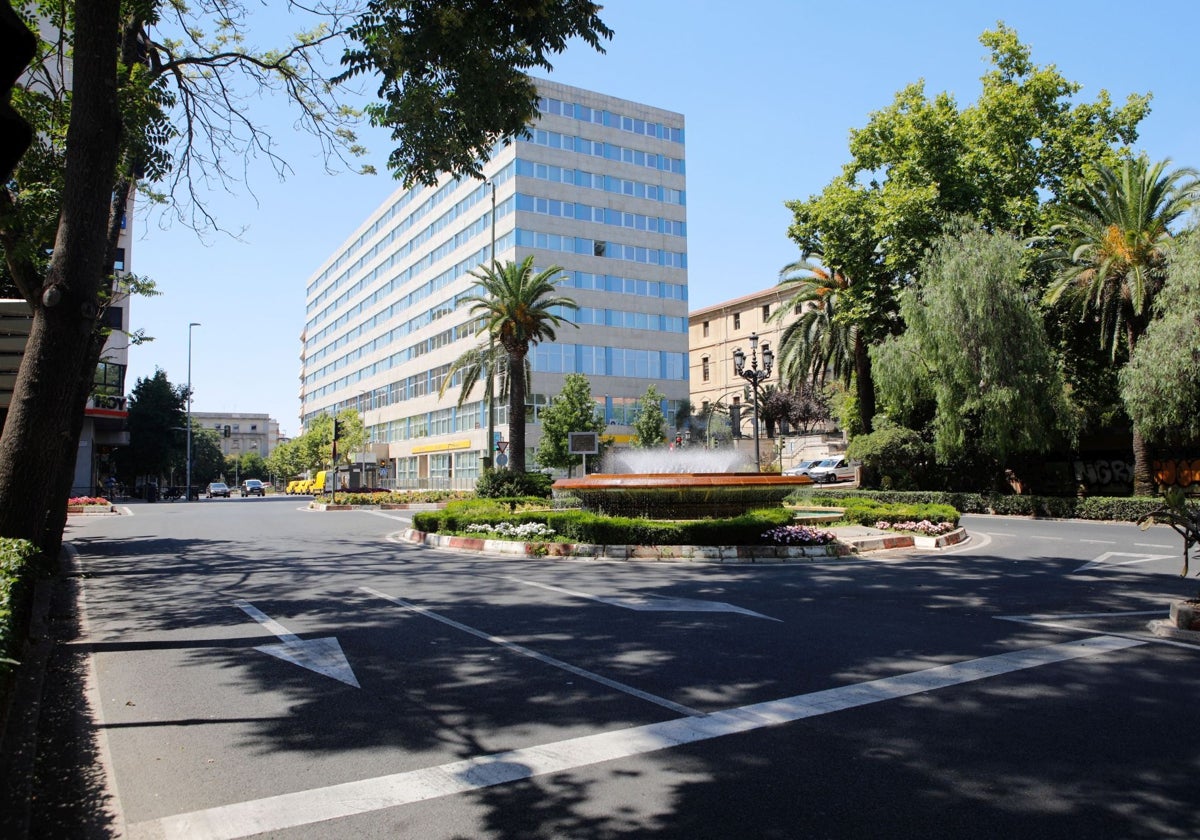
(649, 425)
(572, 410)
(920, 163)
(1160, 385)
(162, 94)
(976, 345)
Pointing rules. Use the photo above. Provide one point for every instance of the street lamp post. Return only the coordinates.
(488, 459)
(754, 376)
(188, 492)
(362, 452)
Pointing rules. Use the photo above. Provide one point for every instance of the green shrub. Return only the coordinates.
(1106, 508)
(397, 497)
(864, 511)
(892, 456)
(581, 526)
(16, 582)
(503, 484)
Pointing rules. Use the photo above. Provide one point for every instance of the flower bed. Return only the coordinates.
(925, 528)
(799, 535)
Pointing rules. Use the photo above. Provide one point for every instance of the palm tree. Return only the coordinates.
(482, 362)
(1116, 236)
(817, 343)
(515, 307)
(826, 339)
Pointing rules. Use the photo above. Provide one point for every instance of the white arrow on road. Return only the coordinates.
(1099, 562)
(651, 603)
(321, 655)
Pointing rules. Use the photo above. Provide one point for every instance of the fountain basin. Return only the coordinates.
(680, 495)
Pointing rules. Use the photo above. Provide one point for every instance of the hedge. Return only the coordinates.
(16, 583)
(1109, 508)
(581, 526)
(862, 511)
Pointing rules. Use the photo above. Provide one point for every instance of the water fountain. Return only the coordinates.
(680, 484)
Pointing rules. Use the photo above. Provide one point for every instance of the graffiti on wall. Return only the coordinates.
(1182, 472)
(1100, 472)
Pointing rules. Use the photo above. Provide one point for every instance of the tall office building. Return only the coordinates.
(598, 188)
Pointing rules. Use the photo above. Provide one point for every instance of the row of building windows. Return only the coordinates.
(616, 318)
(600, 248)
(549, 105)
(354, 251)
(548, 358)
(398, 308)
(471, 416)
(599, 215)
(625, 285)
(606, 183)
(608, 151)
(622, 319)
(591, 360)
(523, 202)
(404, 250)
(579, 145)
(573, 279)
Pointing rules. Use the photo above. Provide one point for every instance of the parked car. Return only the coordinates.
(253, 487)
(217, 488)
(834, 469)
(803, 467)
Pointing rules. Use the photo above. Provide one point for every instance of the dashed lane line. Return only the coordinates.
(307, 807)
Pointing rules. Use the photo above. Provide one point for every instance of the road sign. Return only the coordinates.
(501, 460)
(502, 445)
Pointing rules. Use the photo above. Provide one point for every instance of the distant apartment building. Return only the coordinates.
(715, 332)
(239, 433)
(598, 188)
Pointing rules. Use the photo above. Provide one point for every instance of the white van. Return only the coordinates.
(834, 469)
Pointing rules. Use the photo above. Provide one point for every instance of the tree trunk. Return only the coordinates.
(1143, 480)
(864, 382)
(42, 428)
(516, 412)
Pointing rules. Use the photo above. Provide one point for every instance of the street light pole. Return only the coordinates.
(489, 459)
(754, 376)
(188, 491)
(362, 452)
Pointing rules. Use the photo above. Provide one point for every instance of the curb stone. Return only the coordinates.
(686, 553)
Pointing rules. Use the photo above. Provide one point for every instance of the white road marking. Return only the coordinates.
(1152, 545)
(324, 656)
(649, 603)
(1099, 562)
(533, 654)
(1100, 542)
(307, 807)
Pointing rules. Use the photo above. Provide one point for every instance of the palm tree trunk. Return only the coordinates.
(1143, 481)
(516, 411)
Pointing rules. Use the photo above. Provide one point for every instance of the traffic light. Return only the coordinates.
(228, 431)
(337, 428)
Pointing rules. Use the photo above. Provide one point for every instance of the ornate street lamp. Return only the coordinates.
(754, 375)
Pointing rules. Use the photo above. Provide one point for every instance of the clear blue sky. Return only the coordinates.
(769, 96)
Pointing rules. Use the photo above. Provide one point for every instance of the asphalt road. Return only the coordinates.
(259, 668)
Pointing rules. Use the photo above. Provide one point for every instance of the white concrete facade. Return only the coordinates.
(599, 188)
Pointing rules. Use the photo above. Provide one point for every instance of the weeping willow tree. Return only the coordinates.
(975, 357)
